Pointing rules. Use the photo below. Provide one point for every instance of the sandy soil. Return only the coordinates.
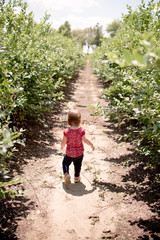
(116, 198)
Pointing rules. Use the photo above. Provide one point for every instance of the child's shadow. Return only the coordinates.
(77, 189)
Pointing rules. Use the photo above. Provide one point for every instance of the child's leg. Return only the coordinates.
(65, 164)
(77, 165)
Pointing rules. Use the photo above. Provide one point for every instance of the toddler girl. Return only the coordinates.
(73, 137)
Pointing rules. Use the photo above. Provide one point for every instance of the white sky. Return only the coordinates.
(81, 13)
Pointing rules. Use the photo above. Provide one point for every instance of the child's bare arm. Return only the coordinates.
(85, 140)
(63, 142)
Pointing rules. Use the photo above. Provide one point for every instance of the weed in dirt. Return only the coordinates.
(94, 219)
(61, 176)
(96, 173)
(88, 167)
(110, 235)
(102, 195)
(127, 163)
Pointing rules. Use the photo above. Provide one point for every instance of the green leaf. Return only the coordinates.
(138, 57)
(2, 194)
(12, 182)
(6, 134)
(127, 56)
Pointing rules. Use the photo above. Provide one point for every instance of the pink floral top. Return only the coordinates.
(74, 141)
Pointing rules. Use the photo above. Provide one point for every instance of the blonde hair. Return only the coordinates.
(74, 118)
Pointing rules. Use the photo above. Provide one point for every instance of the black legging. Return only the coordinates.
(77, 161)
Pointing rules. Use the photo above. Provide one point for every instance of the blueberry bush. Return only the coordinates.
(129, 67)
(35, 64)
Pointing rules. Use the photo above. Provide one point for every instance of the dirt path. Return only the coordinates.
(109, 203)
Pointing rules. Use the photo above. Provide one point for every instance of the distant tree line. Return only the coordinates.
(91, 36)
(86, 37)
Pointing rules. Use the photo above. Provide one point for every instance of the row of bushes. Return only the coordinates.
(129, 66)
(35, 63)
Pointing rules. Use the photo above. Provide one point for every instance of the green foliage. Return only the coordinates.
(65, 29)
(89, 36)
(79, 35)
(35, 62)
(4, 186)
(98, 35)
(8, 139)
(130, 64)
(113, 27)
